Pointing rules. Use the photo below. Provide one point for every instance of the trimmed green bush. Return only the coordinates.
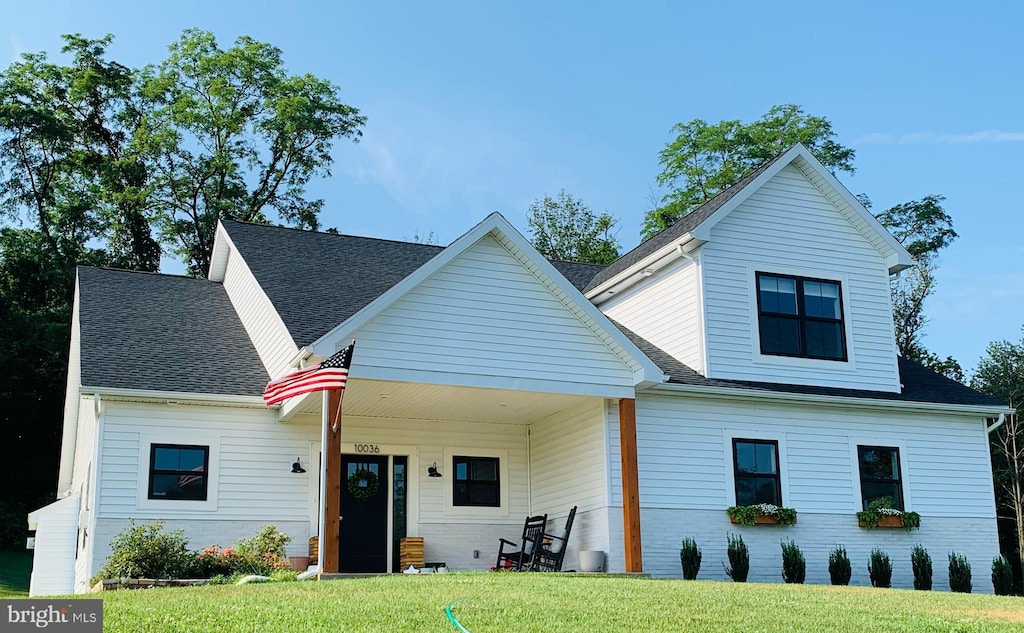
(794, 565)
(739, 558)
(880, 569)
(264, 553)
(690, 557)
(839, 568)
(146, 551)
(1002, 576)
(959, 573)
(921, 562)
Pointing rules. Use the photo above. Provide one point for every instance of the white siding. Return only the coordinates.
(685, 466)
(788, 226)
(265, 328)
(253, 478)
(53, 564)
(82, 484)
(485, 320)
(568, 468)
(665, 310)
(69, 434)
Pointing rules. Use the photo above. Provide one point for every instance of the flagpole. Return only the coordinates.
(321, 520)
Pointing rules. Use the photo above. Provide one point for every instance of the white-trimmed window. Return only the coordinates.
(179, 472)
(800, 317)
(881, 476)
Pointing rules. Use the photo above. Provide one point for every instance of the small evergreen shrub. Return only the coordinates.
(839, 568)
(880, 569)
(1002, 576)
(921, 562)
(690, 557)
(794, 565)
(959, 573)
(146, 551)
(739, 558)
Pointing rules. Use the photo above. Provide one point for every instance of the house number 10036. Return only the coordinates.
(366, 448)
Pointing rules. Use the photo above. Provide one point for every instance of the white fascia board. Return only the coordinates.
(219, 255)
(734, 393)
(328, 343)
(185, 397)
(657, 260)
(59, 504)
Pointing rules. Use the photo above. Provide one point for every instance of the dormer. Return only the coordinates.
(781, 278)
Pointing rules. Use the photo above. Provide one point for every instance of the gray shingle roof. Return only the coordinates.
(165, 333)
(683, 226)
(919, 383)
(340, 273)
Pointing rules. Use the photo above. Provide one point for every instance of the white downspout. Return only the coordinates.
(998, 423)
(321, 521)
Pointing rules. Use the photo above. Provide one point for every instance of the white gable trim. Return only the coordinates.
(644, 370)
(897, 257)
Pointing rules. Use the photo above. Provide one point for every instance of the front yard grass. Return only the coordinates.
(551, 603)
(15, 569)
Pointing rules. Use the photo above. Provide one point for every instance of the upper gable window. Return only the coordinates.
(800, 317)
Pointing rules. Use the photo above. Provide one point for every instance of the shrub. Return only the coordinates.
(739, 558)
(880, 569)
(794, 566)
(146, 551)
(690, 556)
(1002, 576)
(13, 526)
(212, 562)
(839, 568)
(262, 554)
(959, 573)
(284, 575)
(921, 561)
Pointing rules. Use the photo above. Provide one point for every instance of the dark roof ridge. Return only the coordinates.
(346, 235)
(141, 272)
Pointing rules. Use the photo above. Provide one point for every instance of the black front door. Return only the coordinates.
(364, 514)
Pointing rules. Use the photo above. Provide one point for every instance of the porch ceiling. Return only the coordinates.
(419, 401)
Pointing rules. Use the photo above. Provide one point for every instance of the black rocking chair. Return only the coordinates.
(553, 545)
(519, 560)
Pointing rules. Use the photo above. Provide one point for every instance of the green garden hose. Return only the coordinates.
(448, 612)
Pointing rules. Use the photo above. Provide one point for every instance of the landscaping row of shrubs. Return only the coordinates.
(840, 570)
(147, 551)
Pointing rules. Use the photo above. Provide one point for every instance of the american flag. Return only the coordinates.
(329, 374)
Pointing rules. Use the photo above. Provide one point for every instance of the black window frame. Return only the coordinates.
(737, 475)
(466, 501)
(801, 317)
(899, 502)
(153, 470)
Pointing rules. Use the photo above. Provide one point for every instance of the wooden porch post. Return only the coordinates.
(332, 495)
(630, 485)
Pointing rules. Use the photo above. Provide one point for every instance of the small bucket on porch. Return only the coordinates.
(591, 561)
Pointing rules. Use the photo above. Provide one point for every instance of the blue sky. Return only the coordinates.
(477, 107)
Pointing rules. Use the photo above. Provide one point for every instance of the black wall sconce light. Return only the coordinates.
(297, 466)
(432, 470)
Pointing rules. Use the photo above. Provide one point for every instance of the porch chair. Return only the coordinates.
(519, 560)
(553, 545)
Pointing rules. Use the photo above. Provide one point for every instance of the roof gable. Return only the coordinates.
(695, 227)
(496, 227)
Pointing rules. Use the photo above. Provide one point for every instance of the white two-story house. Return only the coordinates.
(745, 355)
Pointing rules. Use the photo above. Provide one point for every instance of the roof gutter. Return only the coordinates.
(644, 268)
(846, 401)
(172, 397)
(998, 423)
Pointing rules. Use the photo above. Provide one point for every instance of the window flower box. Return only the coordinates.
(884, 517)
(761, 514)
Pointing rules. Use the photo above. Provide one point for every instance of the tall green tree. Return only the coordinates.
(1001, 374)
(229, 133)
(706, 158)
(564, 228)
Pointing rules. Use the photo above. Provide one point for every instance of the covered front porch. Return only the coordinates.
(460, 467)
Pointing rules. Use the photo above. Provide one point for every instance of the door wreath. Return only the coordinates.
(363, 485)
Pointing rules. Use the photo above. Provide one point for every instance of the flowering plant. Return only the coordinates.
(883, 507)
(747, 515)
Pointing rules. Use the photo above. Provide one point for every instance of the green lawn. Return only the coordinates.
(549, 603)
(15, 568)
